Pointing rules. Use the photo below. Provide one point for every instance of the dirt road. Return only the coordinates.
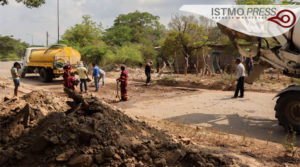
(252, 116)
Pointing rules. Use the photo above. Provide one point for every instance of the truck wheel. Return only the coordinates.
(23, 73)
(49, 75)
(288, 111)
(43, 75)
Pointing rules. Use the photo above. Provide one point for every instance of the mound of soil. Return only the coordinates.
(18, 115)
(93, 133)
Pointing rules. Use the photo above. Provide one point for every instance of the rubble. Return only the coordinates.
(89, 133)
(18, 115)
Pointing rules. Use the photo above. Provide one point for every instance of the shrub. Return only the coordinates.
(93, 54)
(129, 55)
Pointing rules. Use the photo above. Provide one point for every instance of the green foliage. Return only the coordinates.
(11, 49)
(289, 143)
(148, 51)
(132, 39)
(170, 45)
(187, 36)
(129, 55)
(255, 2)
(109, 58)
(135, 27)
(93, 54)
(85, 34)
(119, 35)
(290, 2)
(27, 3)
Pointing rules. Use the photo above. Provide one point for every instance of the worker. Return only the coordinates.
(16, 77)
(67, 73)
(96, 76)
(148, 72)
(70, 81)
(123, 79)
(83, 75)
(240, 71)
(102, 76)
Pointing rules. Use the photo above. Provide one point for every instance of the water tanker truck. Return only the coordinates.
(49, 62)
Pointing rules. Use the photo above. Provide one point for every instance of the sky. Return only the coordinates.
(31, 25)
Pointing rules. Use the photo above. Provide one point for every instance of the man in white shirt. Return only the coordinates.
(240, 71)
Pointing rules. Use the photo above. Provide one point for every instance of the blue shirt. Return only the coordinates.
(96, 71)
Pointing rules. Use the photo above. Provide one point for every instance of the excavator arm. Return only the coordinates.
(255, 53)
(285, 57)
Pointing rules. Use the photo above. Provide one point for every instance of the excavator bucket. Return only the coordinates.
(233, 35)
(256, 72)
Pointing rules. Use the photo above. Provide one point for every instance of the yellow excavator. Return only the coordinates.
(49, 62)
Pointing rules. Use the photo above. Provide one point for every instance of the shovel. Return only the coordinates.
(118, 96)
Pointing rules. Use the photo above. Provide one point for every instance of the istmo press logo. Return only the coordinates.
(255, 20)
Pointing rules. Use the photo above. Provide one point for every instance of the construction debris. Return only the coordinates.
(88, 133)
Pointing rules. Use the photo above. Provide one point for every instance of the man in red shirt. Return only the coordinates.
(124, 82)
(70, 81)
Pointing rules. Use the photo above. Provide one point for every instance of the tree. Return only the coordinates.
(135, 27)
(254, 2)
(119, 35)
(93, 54)
(141, 28)
(27, 3)
(11, 48)
(129, 55)
(171, 48)
(84, 34)
(186, 37)
(288, 2)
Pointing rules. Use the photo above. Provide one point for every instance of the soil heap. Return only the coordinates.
(91, 133)
(18, 115)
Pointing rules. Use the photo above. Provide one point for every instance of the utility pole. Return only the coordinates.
(57, 21)
(47, 38)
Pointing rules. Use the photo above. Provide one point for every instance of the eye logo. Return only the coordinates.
(285, 18)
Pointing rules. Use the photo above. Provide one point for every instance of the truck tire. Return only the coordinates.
(49, 75)
(23, 73)
(288, 111)
(43, 75)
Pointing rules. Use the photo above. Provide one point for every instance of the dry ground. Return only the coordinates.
(209, 118)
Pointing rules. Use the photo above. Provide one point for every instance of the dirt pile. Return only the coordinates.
(92, 133)
(18, 115)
